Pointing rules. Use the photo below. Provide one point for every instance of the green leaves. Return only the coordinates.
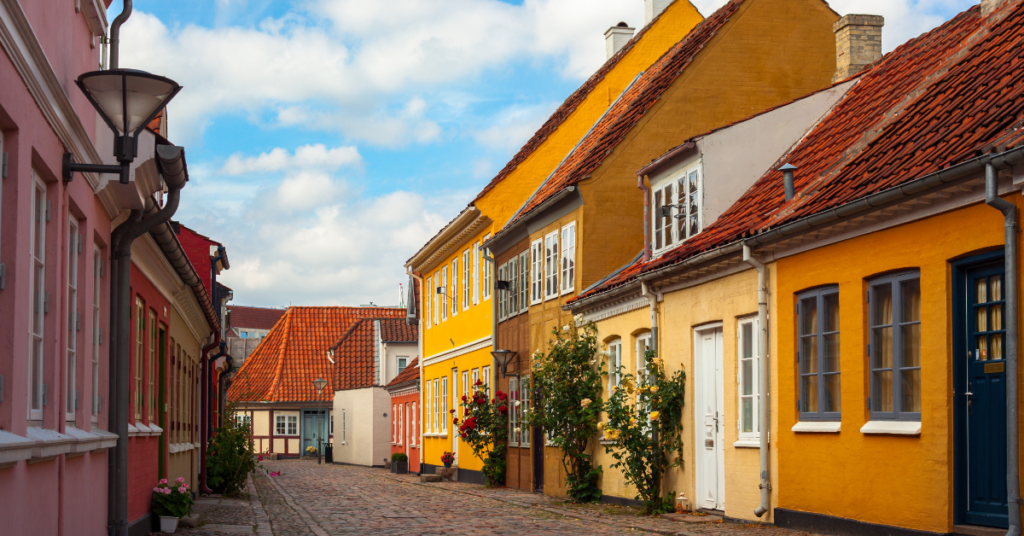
(229, 457)
(485, 427)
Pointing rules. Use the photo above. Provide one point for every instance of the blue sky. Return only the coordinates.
(327, 140)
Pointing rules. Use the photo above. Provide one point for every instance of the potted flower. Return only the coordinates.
(311, 450)
(447, 459)
(171, 502)
(399, 463)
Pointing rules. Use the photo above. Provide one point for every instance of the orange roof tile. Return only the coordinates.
(294, 353)
(397, 331)
(409, 375)
(932, 103)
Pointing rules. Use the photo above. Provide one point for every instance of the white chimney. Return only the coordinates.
(616, 37)
(653, 8)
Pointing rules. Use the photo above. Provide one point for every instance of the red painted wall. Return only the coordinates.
(410, 443)
(197, 248)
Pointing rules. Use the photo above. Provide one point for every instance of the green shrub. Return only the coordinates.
(229, 459)
(485, 427)
(399, 457)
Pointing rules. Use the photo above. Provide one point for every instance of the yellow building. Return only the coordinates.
(892, 338)
(458, 321)
(584, 220)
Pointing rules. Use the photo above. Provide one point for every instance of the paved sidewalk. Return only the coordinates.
(311, 500)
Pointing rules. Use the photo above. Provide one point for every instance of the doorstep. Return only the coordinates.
(694, 518)
(978, 530)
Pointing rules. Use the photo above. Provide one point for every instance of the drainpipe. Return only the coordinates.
(647, 215)
(115, 33)
(207, 364)
(422, 324)
(762, 374)
(652, 299)
(1009, 211)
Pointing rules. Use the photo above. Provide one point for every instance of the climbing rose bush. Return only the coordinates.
(568, 383)
(485, 427)
(644, 430)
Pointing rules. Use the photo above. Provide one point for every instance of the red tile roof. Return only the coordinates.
(397, 331)
(284, 365)
(630, 108)
(934, 102)
(410, 374)
(254, 317)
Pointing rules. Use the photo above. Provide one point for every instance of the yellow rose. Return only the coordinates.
(654, 388)
(600, 426)
(655, 415)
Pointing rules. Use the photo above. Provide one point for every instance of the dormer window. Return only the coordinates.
(677, 203)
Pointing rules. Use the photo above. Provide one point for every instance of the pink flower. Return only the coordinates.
(179, 479)
(260, 457)
(182, 489)
(166, 491)
(163, 481)
(157, 490)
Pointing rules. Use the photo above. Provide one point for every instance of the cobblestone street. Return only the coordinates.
(307, 499)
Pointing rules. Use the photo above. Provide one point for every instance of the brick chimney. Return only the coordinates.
(858, 43)
(653, 8)
(616, 37)
(988, 6)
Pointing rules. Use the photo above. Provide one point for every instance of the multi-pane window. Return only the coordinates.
(524, 408)
(140, 336)
(73, 317)
(894, 353)
(444, 293)
(682, 201)
(748, 378)
(427, 400)
(465, 279)
(151, 368)
(643, 344)
(614, 365)
(476, 377)
(537, 271)
(402, 362)
(502, 296)
(429, 291)
(455, 286)
(568, 257)
(444, 404)
(524, 281)
(476, 272)
(394, 423)
(97, 263)
(436, 297)
(818, 354)
(512, 273)
(286, 425)
(551, 265)
(401, 424)
(513, 414)
(344, 428)
(487, 268)
(487, 377)
(38, 299)
(414, 421)
(436, 409)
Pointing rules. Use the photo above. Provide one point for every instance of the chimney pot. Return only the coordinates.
(653, 8)
(858, 43)
(616, 37)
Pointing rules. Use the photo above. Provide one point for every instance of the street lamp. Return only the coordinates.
(127, 100)
(504, 358)
(319, 383)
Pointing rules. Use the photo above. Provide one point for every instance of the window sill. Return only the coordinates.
(176, 448)
(84, 441)
(14, 448)
(820, 427)
(747, 443)
(912, 428)
(49, 443)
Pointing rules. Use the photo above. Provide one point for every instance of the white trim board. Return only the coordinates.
(458, 351)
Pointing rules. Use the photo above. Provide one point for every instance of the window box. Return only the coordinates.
(912, 428)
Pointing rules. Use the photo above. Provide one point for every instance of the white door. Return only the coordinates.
(454, 405)
(710, 471)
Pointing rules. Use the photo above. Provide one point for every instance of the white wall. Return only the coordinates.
(391, 352)
(367, 421)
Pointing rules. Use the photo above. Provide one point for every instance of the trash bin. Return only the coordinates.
(329, 453)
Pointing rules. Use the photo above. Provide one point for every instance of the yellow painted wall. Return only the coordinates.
(726, 300)
(436, 443)
(260, 423)
(906, 481)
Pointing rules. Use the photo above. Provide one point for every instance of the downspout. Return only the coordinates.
(419, 362)
(207, 365)
(1009, 211)
(115, 33)
(652, 299)
(647, 215)
(762, 374)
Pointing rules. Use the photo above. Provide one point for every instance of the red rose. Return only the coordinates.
(464, 398)
(455, 420)
(492, 401)
(501, 396)
(478, 382)
(451, 411)
(502, 409)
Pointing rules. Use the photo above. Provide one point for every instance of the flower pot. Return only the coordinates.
(448, 465)
(394, 466)
(400, 468)
(168, 523)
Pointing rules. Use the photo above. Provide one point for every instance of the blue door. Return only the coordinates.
(314, 430)
(980, 395)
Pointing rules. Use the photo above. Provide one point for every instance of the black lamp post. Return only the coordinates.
(319, 383)
(504, 358)
(127, 100)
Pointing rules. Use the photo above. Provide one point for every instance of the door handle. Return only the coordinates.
(970, 399)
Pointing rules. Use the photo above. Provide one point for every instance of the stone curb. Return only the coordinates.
(558, 511)
(262, 519)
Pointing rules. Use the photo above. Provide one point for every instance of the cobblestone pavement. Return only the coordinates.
(319, 500)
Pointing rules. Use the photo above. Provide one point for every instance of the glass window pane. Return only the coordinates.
(693, 204)
(981, 290)
(982, 347)
(881, 308)
(982, 316)
(657, 219)
(748, 376)
(997, 347)
(996, 313)
(748, 415)
(881, 352)
(882, 397)
(830, 353)
(809, 354)
(910, 300)
(693, 181)
(910, 345)
(831, 305)
(748, 340)
(831, 401)
(694, 225)
(681, 222)
(996, 289)
(808, 316)
(809, 393)
(911, 385)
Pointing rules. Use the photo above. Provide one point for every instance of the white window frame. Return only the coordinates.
(476, 273)
(487, 378)
(551, 265)
(512, 295)
(537, 271)
(444, 404)
(614, 362)
(488, 270)
(37, 300)
(502, 296)
(97, 285)
(567, 273)
(455, 287)
(643, 343)
(71, 357)
(436, 408)
(151, 367)
(413, 421)
(401, 423)
(524, 281)
(290, 422)
(524, 398)
(344, 428)
(465, 384)
(427, 408)
(394, 423)
(513, 414)
(436, 297)
(140, 336)
(675, 230)
(465, 280)
(476, 378)
(754, 359)
(444, 293)
(428, 319)
(399, 366)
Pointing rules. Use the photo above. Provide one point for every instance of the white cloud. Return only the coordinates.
(308, 156)
(513, 126)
